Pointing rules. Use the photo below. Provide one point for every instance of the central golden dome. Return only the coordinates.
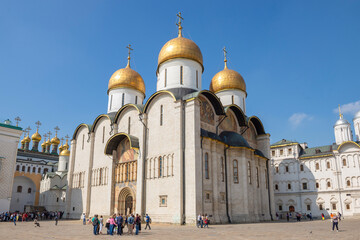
(180, 47)
(127, 78)
(36, 137)
(227, 79)
(55, 140)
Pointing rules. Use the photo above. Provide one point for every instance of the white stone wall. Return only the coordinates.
(342, 133)
(233, 96)
(115, 98)
(51, 199)
(171, 69)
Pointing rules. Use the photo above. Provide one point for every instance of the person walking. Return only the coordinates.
(83, 218)
(199, 220)
(339, 215)
(14, 219)
(130, 224)
(287, 217)
(148, 221)
(56, 219)
(206, 221)
(322, 216)
(119, 222)
(101, 220)
(137, 224)
(95, 223)
(112, 225)
(335, 222)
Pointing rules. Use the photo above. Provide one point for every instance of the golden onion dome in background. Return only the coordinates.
(127, 78)
(227, 79)
(43, 144)
(65, 151)
(55, 140)
(36, 137)
(22, 141)
(48, 143)
(61, 148)
(27, 139)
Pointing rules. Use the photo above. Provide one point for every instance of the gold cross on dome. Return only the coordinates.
(225, 53)
(49, 134)
(130, 49)
(179, 24)
(17, 119)
(56, 130)
(38, 124)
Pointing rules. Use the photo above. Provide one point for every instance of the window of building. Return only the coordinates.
(123, 99)
(165, 82)
(321, 207)
(222, 170)
(23, 168)
(276, 187)
(308, 207)
(344, 162)
(289, 186)
(129, 123)
(281, 152)
(161, 115)
(103, 134)
(39, 170)
(334, 206)
(317, 166)
(207, 196)
(19, 189)
(328, 184)
(280, 208)
(235, 171)
(347, 206)
(100, 176)
(197, 79)
(181, 75)
(161, 163)
(257, 177)
(29, 190)
(111, 96)
(28, 169)
(348, 183)
(273, 153)
(286, 169)
(17, 168)
(289, 151)
(317, 185)
(206, 165)
(277, 169)
(83, 142)
(304, 185)
(232, 99)
(301, 167)
(163, 201)
(249, 172)
(57, 199)
(327, 165)
(135, 99)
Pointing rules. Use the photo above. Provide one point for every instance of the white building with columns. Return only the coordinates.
(319, 180)
(183, 152)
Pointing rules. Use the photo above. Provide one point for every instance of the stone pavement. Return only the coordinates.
(349, 229)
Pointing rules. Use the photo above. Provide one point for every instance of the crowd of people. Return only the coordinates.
(115, 224)
(30, 216)
(202, 221)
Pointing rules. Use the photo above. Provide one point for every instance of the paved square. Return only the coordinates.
(349, 229)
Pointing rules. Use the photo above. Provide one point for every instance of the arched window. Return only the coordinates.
(123, 99)
(28, 170)
(277, 169)
(286, 169)
(276, 187)
(347, 206)
(222, 169)
(317, 166)
(135, 99)
(29, 190)
(165, 82)
(289, 186)
(206, 166)
(235, 171)
(129, 122)
(126, 172)
(348, 183)
(34, 170)
(19, 189)
(161, 114)
(17, 168)
(181, 75)
(161, 164)
(301, 167)
(39, 170)
(317, 185)
(344, 162)
(197, 79)
(257, 177)
(23, 168)
(100, 176)
(327, 165)
(111, 96)
(249, 172)
(232, 99)
(328, 184)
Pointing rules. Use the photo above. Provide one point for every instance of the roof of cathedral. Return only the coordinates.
(283, 142)
(10, 126)
(317, 151)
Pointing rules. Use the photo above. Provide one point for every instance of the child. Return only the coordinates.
(36, 222)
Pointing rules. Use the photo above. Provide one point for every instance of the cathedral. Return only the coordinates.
(183, 152)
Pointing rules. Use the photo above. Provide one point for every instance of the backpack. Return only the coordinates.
(95, 222)
(131, 220)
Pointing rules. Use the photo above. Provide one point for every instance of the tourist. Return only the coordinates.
(199, 220)
(335, 222)
(83, 218)
(36, 222)
(95, 223)
(14, 219)
(101, 220)
(206, 221)
(107, 225)
(322, 216)
(202, 221)
(56, 219)
(148, 221)
(112, 225)
(277, 216)
(287, 217)
(119, 221)
(331, 215)
(137, 224)
(130, 224)
(339, 215)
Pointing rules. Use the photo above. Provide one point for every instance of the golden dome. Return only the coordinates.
(27, 139)
(180, 47)
(23, 141)
(61, 148)
(65, 151)
(227, 79)
(55, 140)
(127, 78)
(43, 144)
(36, 137)
(48, 143)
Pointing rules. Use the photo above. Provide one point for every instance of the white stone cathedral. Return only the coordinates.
(183, 152)
(319, 180)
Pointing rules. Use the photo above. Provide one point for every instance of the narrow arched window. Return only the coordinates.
(23, 168)
(135, 99)
(17, 168)
(222, 169)
(328, 165)
(232, 99)
(317, 185)
(276, 187)
(161, 114)
(181, 75)
(197, 79)
(39, 170)
(344, 162)
(160, 166)
(103, 135)
(235, 171)
(100, 176)
(28, 169)
(301, 167)
(206, 166)
(289, 186)
(29, 190)
(111, 96)
(165, 82)
(249, 172)
(317, 166)
(19, 189)
(328, 184)
(348, 183)
(123, 99)
(34, 170)
(129, 121)
(257, 177)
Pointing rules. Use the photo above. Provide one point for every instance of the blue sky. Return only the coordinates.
(299, 59)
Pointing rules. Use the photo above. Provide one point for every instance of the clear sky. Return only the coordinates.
(299, 59)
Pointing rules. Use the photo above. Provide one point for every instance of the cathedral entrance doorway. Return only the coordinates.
(126, 204)
(291, 209)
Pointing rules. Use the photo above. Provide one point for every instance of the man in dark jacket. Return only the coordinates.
(119, 221)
